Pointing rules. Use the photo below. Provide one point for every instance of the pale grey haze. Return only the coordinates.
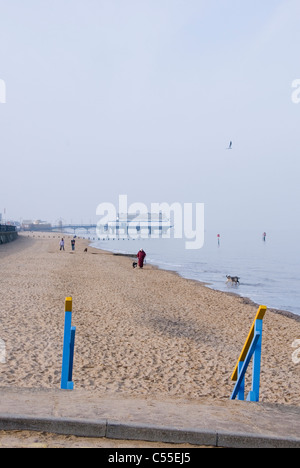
(142, 97)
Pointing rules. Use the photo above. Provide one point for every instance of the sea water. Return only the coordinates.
(269, 270)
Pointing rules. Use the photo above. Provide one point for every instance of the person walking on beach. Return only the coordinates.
(73, 244)
(62, 244)
(141, 256)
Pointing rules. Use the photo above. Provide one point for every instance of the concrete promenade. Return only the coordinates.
(171, 420)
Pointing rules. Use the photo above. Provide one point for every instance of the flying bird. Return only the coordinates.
(230, 145)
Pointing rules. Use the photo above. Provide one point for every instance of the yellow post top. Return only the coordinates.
(68, 304)
(259, 316)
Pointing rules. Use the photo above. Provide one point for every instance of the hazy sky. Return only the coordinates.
(141, 97)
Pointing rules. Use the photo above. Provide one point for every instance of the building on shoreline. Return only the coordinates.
(38, 225)
(133, 225)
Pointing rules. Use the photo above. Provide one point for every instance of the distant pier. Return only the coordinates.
(120, 226)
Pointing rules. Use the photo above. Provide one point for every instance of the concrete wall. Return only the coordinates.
(8, 237)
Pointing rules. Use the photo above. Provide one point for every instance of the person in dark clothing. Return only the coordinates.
(141, 256)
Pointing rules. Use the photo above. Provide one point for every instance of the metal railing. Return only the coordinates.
(252, 348)
(7, 228)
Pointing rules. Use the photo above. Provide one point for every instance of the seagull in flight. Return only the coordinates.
(230, 145)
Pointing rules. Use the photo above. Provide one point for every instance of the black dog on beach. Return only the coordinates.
(134, 264)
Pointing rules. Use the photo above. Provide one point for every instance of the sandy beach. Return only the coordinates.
(138, 332)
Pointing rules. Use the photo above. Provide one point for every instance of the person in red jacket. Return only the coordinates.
(141, 255)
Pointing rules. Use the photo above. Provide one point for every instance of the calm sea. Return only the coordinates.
(269, 270)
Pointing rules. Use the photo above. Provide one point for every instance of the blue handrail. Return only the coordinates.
(252, 348)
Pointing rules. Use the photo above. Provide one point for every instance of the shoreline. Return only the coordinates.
(138, 332)
(246, 300)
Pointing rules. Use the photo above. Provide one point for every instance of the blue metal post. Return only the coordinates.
(253, 395)
(72, 345)
(68, 348)
(241, 376)
(241, 392)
